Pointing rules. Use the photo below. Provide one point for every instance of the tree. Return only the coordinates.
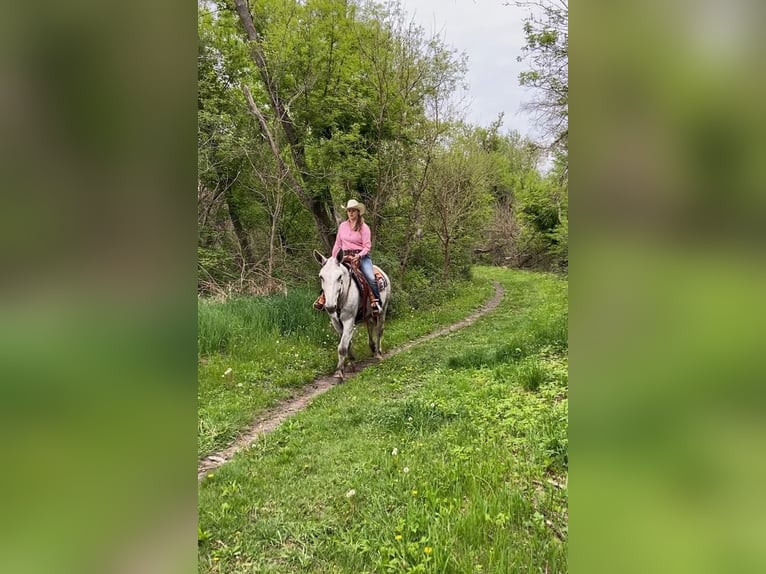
(225, 250)
(547, 51)
(318, 204)
(458, 193)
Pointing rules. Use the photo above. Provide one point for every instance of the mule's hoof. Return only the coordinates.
(379, 356)
(338, 375)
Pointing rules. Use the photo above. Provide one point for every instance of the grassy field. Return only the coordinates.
(449, 457)
(274, 344)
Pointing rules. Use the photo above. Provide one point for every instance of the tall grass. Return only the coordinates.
(223, 327)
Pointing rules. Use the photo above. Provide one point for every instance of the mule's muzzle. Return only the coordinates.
(330, 308)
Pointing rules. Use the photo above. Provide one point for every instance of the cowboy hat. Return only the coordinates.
(354, 204)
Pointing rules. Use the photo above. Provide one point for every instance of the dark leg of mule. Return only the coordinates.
(370, 338)
(341, 362)
(337, 325)
(379, 336)
(344, 346)
(381, 325)
(351, 359)
(374, 333)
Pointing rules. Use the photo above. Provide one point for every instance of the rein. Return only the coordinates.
(344, 294)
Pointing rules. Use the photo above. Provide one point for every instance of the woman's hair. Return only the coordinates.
(359, 221)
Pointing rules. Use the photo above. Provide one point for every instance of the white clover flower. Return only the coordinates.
(406, 469)
(409, 419)
(350, 493)
(395, 452)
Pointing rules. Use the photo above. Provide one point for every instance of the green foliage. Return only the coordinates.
(421, 290)
(542, 206)
(214, 263)
(559, 244)
(414, 292)
(538, 208)
(458, 196)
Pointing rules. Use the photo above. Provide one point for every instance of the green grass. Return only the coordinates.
(419, 464)
(275, 344)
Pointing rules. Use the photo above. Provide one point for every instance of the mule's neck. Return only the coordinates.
(350, 283)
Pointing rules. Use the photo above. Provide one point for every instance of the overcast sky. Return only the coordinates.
(491, 36)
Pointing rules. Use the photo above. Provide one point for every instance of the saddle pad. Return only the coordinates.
(379, 277)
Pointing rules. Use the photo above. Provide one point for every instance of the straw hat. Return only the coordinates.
(354, 204)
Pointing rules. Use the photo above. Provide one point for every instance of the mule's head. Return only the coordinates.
(333, 277)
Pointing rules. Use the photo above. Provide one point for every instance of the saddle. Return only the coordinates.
(364, 287)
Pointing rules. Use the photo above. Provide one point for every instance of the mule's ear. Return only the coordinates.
(339, 256)
(319, 257)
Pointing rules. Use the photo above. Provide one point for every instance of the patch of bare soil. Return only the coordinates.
(272, 418)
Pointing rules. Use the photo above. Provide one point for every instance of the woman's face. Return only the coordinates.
(353, 214)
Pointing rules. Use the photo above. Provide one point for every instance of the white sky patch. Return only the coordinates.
(491, 35)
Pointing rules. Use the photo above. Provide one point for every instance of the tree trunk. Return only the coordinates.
(414, 230)
(240, 232)
(445, 244)
(321, 207)
(273, 234)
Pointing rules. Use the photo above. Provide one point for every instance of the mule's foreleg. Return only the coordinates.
(344, 347)
(337, 325)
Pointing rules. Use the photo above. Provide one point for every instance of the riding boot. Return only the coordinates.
(319, 303)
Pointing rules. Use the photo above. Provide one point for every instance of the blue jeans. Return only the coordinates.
(365, 264)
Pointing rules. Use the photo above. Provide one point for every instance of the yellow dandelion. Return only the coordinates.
(428, 550)
(414, 493)
(398, 537)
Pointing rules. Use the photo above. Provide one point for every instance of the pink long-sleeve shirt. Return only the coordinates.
(347, 238)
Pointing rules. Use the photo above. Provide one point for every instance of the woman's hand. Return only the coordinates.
(352, 259)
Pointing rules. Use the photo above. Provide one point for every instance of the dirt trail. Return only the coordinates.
(272, 418)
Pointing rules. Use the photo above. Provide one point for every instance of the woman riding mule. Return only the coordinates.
(344, 304)
(355, 239)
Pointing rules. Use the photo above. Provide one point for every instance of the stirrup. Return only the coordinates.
(376, 307)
